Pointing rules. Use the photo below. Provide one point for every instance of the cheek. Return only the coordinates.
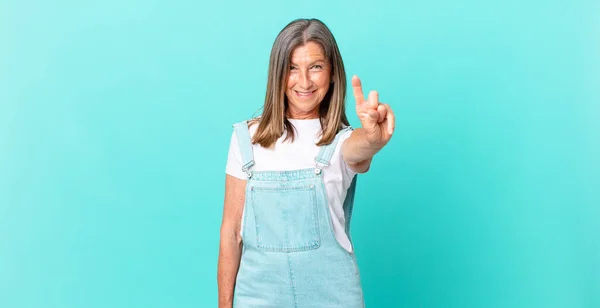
(324, 82)
(292, 78)
(321, 80)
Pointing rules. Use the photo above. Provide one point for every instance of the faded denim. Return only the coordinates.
(290, 256)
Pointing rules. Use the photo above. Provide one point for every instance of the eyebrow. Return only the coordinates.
(316, 61)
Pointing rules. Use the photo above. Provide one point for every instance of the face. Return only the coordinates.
(307, 82)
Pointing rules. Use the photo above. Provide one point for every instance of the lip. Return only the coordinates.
(304, 94)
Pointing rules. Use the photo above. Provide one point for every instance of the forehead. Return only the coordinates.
(309, 52)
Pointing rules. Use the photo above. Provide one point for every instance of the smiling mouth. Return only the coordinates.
(305, 93)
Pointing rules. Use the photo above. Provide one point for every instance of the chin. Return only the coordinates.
(305, 108)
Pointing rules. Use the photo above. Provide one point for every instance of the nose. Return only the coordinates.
(305, 81)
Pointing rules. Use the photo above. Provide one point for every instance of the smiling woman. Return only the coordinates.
(291, 179)
(304, 59)
(308, 81)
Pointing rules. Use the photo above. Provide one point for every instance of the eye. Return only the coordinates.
(318, 66)
(293, 68)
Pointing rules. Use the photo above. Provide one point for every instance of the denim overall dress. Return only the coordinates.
(290, 256)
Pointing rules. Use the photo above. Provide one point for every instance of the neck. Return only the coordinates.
(306, 116)
(293, 113)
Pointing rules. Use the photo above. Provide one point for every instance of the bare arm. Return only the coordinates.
(357, 152)
(230, 248)
(378, 123)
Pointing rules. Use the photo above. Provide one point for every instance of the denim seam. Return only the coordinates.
(256, 224)
(315, 218)
(286, 176)
(322, 161)
(292, 281)
(294, 188)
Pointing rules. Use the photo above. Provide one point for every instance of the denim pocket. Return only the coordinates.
(286, 218)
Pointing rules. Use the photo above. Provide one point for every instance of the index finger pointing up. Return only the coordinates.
(357, 89)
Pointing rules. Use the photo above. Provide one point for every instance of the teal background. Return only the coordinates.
(115, 119)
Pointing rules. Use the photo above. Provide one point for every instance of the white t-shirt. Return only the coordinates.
(301, 154)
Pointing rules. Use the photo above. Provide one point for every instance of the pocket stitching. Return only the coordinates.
(310, 245)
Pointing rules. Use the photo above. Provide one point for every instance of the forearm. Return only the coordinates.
(357, 150)
(229, 261)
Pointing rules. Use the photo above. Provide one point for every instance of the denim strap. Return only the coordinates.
(326, 151)
(245, 145)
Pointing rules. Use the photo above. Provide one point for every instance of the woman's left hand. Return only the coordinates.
(377, 119)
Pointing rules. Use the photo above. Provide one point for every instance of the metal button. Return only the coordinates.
(317, 171)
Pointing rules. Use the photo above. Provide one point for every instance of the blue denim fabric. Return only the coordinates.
(290, 255)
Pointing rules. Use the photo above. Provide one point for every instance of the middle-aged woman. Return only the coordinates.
(291, 177)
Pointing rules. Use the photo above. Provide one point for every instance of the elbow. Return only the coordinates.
(361, 167)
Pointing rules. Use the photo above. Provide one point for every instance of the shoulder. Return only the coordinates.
(343, 135)
(345, 131)
(250, 125)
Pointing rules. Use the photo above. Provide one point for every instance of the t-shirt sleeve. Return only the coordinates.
(234, 159)
(348, 173)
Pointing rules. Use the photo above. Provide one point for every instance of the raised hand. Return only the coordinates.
(377, 119)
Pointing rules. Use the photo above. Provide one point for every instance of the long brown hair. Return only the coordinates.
(332, 110)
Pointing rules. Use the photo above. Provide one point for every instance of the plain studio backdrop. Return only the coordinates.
(115, 119)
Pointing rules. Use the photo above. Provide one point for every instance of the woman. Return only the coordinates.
(291, 175)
